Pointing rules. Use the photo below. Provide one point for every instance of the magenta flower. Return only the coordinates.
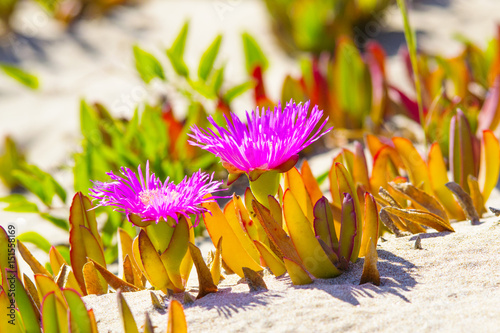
(145, 200)
(271, 140)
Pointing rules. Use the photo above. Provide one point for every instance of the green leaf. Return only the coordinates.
(176, 52)
(253, 54)
(178, 64)
(19, 204)
(10, 160)
(202, 88)
(61, 223)
(321, 178)
(79, 317)
(36, 239)
(147, 65)
(21, 76)
(217, 79)
(236, 91)
(26, 308)
(208, 58)
(179, 44)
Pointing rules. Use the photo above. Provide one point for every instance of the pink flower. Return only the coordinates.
(150, 199)
(271, 140)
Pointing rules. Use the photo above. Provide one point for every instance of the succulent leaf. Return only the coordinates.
(310, 251)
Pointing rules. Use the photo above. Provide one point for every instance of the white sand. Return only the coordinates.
(451, 285)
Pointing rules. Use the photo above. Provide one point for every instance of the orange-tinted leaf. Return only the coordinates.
(370, 224)
(310, 183)
(489, 169)
(129, 324)
(297, 274)
(272, 261)
(306, 244)
(234, 253)
(294, 182)
(415, 165)
(176, 318)
(154, 270)
(439, 177)
(462, 162)
(92, 277)
(370, 271)
(276, 233)
(205, 281)
(114, 281)
(35, 265)
(360, 169)
(421, 217)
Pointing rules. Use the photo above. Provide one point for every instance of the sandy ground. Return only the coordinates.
(447, 286)
(451, 285)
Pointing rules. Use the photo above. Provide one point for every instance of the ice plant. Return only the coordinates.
(148, 199)
(267, 145)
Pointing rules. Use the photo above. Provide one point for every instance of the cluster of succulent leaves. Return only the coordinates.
(64, 11)
(315, 26)
(53, 303)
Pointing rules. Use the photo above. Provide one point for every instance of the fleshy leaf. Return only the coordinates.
(254, 280)
(176, 318)
(153, 266)
(205, 281)
(348, 229)
(297, 274)
(370, 271)
(310, 182)
(420, 198)
(82, 214)
(233, 252)
(421, 217)
(54, 315)
(92, 278)
(35, 265)
(308, 247)
(415, 165)
(439, 177)
(26, 307)
(324, 227)
(176, 251)
(79, 317)
(272, 261)
(293, 181)
(215, 268)
(465, 202)
(276, 233)
(346, 185)
(129, 324)
(360, 169)
(114, 281)
(462, 162)
(490, 163)
(475, 194)
(370, 224)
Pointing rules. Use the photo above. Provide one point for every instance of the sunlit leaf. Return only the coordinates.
(20, 76)
(147, 65)
(297, 274)
(234, 253)
(129, 324)
(205, 281)
(308, 247)
(34, 264)
(490, 164)
(176, 322)
(208, 58)
(439, 177)
(370, 224)
(370, 271)
(324, 227)
(420, 217)
(272, 261)
(465, 202)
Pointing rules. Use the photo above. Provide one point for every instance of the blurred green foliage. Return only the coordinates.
(316, 25)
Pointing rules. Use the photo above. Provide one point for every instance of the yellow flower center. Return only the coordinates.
(148, 196)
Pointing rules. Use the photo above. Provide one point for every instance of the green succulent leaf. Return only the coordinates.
(208, 58)
(21, 76)
(147, 65)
